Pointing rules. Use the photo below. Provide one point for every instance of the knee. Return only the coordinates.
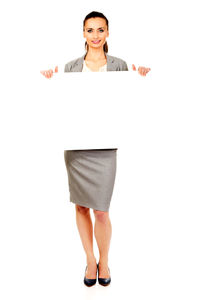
(101, 216)
(82, 209)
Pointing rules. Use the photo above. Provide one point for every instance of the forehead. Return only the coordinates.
(95, 23)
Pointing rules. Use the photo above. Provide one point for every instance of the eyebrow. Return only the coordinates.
(97, 28)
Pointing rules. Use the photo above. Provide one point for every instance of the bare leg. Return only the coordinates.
(85, 228)
(103, 232)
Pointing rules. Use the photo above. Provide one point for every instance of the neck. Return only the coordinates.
(95, 54)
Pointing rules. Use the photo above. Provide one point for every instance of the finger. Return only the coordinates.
(56, 69)
(140, 70)
(42, 72)
(50, 73)
(145, 71)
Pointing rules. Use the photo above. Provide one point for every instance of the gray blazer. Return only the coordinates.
(113, 64)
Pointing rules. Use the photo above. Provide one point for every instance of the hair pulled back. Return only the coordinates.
(95, 14)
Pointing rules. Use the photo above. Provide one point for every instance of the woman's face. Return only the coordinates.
(95, 32)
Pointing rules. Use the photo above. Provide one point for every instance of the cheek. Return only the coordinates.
(89, 37)
(86, 35)
(104, 36)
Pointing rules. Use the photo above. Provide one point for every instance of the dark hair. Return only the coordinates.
(95, 14)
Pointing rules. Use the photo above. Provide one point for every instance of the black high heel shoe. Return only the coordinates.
(89, 282)
(103, 281)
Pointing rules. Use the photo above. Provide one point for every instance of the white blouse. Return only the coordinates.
(101, 69)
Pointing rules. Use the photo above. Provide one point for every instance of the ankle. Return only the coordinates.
(91, 260)
(103, 261)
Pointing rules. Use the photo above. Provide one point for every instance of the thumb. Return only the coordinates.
(134, 68)
(56, 69)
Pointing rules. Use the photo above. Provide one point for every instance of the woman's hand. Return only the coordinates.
(49, 73)
(141, 70)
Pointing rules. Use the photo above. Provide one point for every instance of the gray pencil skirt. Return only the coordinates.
(91, 176)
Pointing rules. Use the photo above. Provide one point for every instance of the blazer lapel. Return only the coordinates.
(79, 64)
(111, 63)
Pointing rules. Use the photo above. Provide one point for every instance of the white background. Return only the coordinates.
(154, 211)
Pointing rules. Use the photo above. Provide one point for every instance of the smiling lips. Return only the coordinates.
(96, 42)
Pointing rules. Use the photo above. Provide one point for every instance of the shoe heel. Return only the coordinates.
(89, 282)
(103, 281)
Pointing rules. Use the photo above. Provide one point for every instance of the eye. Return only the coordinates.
(89, 30)
(101, 30)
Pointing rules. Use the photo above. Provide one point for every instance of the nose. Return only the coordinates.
(95, 35)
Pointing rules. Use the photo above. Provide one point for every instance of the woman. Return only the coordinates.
(91, 172)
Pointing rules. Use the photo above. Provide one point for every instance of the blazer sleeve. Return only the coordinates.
(67, 69)
(124, 66)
